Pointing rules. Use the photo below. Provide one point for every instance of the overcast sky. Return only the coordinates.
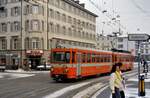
(134, 15)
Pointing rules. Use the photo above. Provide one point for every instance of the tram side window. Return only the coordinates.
(58, 56)
(73, 57)
(88, 58)
(67, 57)
(83, 58)
(93, 58)
(101, 58)
(61, 57)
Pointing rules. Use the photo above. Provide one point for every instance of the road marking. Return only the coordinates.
(99, 92)
(133, 93)
(14, 75)
(65, 90)
(89, 91)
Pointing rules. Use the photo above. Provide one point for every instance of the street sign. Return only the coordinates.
(138, 37)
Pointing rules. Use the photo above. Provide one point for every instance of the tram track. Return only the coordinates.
(100, 85)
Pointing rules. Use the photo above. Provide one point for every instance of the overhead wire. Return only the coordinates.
(108, 15)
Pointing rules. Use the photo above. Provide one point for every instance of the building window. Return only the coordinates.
(120, 46)
(4, 27)
(3, 12)
(69, 19)
(15, 11)
(64, 30)
(35, 44)
(57, 30)
(3, 2)
(35, 9)
(17, 26)
(35, 25)
(57, 3)
(15, 43)
(57, 15)
(27, 25)
(42, 25)
(51, 13)
(51, 27)
(64, 17)
(120, 39)
(3, 44)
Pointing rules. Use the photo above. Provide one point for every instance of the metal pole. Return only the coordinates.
(47, 25)
(139, 88)
(21, 37)
(139, 59)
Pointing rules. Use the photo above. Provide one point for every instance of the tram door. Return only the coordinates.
(78, 71)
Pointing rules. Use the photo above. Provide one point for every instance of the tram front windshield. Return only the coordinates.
(61, 57)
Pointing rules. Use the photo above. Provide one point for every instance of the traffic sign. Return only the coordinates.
(138, 37)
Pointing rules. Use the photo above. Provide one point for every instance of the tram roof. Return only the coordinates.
(96, 50)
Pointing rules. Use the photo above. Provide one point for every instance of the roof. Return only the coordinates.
(73, 3)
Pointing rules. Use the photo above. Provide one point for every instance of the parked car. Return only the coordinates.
(2, 67)
(43, 67)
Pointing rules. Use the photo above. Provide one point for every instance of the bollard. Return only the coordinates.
(141, 85)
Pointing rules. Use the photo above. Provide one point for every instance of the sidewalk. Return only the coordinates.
(132, 87)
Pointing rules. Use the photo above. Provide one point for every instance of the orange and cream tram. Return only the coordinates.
(73, 63)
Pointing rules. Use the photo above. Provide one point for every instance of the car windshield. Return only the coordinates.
(61, 57)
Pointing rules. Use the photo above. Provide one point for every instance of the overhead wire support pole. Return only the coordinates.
(47, 25)
(21, 63)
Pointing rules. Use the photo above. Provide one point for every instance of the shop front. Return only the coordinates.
(34, 58)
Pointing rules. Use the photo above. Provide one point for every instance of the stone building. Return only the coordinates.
(31, 28)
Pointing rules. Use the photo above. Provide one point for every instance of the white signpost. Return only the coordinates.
(139, 38)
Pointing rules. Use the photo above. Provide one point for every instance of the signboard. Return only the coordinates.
(34, 52)
(138, 37)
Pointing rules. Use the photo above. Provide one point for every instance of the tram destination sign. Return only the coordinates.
(138, 37)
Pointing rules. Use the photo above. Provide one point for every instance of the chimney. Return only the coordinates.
(77, 1)
(82, 4)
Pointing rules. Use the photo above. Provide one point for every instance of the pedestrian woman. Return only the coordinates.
(116, 82)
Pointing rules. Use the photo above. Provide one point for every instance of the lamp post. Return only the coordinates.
(20, 65)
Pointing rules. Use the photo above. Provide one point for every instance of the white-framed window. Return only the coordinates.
(64, 30)
(15, 43)
(17, 26)
(15, 11)
(3, 2)
(3, 44)
(35, 9)
(51, 27)
(3, 27)
(35, 44)
(3, 13)
(57, 30)
(64, 17)
(35, 25)
(57, 15)
(51, 13)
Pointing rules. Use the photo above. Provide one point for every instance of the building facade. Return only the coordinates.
(105, 42)
(31, 28)
(124, 44)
